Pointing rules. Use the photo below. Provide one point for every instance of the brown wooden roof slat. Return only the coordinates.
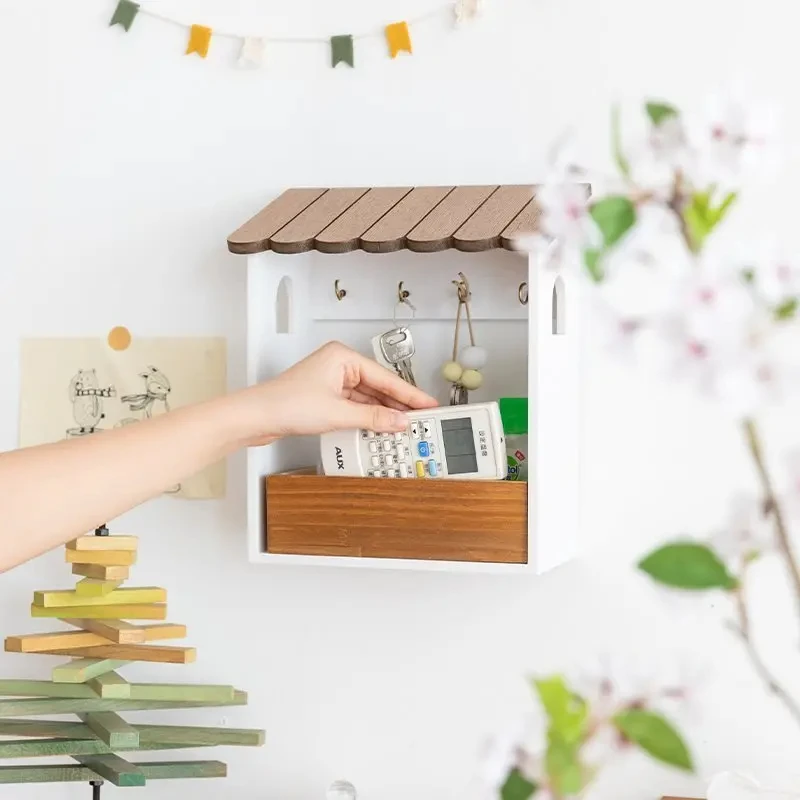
(344, 233)
(253, 236)
(435, 231)
(389, 233)
(525, 223)
(482, 230)
(297, 236)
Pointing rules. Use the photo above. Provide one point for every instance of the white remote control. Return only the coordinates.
(457, 442)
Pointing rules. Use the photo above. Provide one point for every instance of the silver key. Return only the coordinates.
(397, 347)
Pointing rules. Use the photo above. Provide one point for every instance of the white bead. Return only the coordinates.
(473, 357)
(471, 379)
(451, 371)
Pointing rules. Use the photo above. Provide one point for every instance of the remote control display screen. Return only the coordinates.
(459, 446)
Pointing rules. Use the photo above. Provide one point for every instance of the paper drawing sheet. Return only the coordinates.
(82, 387)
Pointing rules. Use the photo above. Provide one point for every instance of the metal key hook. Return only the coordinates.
(340, 293)
(462, 288)
(402, 294)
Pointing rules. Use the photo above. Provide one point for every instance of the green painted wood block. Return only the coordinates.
(112, 729)
(42, 706)
(114, 769)
(47, 748)
(177, 691)
(165, 735)
(80, 670)
(15, 688)
(63, 773)
(112, 686)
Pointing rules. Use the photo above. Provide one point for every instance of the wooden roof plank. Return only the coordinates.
(435, 231)
(524, 224)
(254, 235)
(298, 235)
(344, 233)
(389, 233)
(482, 230)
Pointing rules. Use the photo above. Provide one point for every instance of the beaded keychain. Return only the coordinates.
(464, 370)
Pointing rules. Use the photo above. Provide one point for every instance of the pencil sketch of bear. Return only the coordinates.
(86, 397)
(156, 389)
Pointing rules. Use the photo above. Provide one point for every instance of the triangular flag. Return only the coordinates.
(124, 14)
(398, 38)
(252, 53)
(342, 50)
(199, 40)
(467, 10)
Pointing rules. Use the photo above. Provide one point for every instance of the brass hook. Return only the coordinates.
(402, 294)
(340, 293)
(462, 287)
(522, 293)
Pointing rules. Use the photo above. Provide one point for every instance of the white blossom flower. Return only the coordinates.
(565, 215)
(746, 533)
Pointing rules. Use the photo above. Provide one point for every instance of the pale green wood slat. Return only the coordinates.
(45, 748)
(62, 773)
(15, 688)
(148, 734)
(177, 691)
(114, 769)
(112, 729)
(80, 670)
(112, 686)
(42, 706)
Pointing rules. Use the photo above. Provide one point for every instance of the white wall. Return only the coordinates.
(124, 167)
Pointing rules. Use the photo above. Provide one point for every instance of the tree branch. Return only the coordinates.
(773, 507)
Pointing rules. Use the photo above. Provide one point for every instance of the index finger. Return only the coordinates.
(377, 377)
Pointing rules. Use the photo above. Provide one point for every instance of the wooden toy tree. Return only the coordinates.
(100, 642)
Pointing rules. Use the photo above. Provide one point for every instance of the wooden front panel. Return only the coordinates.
(480, 521)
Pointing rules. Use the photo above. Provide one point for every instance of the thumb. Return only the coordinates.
(373, 417)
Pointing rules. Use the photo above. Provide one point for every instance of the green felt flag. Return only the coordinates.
(125, 14)
(342, 50)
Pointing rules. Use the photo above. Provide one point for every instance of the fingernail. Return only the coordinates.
(398, 420)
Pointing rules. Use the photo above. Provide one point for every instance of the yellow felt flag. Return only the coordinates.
(199, 40)
(398, 37)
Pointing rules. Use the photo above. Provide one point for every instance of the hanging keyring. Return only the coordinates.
(403, 302)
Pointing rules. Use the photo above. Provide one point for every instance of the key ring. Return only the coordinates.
(403, 302)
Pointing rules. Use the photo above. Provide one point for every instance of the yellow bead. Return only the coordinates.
(451, 371)
(471, 379)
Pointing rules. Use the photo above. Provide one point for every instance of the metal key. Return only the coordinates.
(397, 347)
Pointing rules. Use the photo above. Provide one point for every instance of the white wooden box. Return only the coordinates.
(534, 348)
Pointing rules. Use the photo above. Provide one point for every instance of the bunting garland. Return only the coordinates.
(253, 47)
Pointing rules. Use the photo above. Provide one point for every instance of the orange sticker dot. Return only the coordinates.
(119, 338)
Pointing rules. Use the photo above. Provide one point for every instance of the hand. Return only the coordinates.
(334, 388)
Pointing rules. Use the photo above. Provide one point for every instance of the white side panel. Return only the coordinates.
(555, 397)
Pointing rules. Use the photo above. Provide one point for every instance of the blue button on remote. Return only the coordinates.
(424, 450)
(432, 471)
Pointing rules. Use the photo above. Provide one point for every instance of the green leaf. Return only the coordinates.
(567, 712)
(517, 787)
(591, 258)
(688, 565)
(616, 144)
(658, 112)
(563, 766)
(787, 309)
(614, 216)
(702, 217)
(657, 737)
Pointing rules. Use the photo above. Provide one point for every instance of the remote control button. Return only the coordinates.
(390, 473)
(376, 462)
(432, 470)
(387, 445)
(370, 434)
(375, 473)
(403, 470)
(398, 437)
(427, 429)
(389, 461)
(401, 452)
(420, 469)
(423, 449)
(373, 447)
(414, 430)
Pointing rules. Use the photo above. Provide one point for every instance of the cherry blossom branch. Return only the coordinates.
(742, 630)
(772, 506)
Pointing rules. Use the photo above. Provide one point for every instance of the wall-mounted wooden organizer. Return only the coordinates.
(423, 237)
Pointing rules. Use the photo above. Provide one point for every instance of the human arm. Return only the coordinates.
(54, 492)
